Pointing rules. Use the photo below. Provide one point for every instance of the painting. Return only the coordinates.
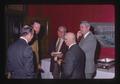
(105, 33)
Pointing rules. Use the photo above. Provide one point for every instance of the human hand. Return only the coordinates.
(56, 54)
(55, 58)
(8, 75)
(59, 55)
(52, 53)
(39, 66)
(79, 34)
(59, 61)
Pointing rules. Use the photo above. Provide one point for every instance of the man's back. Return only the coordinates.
(74, 65)
(20, 60)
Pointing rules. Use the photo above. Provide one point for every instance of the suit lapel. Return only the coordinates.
(83, 39)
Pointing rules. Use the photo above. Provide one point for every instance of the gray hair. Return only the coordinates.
(25, 30)
(86, 23)
(62, 27)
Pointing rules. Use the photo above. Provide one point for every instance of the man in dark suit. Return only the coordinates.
(88, 43)
(20, 56)
(74, 61)
(57, 45)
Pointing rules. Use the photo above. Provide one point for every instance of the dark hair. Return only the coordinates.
(37, 21)
(25, 30)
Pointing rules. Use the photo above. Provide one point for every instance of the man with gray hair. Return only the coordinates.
(20, 57)
(88, 44)
(57, 50)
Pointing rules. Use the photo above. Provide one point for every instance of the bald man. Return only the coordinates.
(74, 62)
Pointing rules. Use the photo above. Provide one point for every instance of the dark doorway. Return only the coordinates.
(13, 22)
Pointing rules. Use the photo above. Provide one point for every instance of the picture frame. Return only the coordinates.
(105, 33)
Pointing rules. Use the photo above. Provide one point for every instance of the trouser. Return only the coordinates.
(21, 75)
(89, 75)
(56, 71)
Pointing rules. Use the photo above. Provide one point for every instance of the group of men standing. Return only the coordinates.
(77, 53)
(70, 59)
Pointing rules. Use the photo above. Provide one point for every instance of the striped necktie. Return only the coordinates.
(57, 46)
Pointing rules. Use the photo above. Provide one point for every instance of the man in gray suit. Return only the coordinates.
(74, 61)
(88, 44)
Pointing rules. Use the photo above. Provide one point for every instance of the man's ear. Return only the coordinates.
(28, 35)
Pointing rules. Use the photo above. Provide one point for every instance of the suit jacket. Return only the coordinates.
(52, 48)
(88, 45)
(74, 63)
(20, 60)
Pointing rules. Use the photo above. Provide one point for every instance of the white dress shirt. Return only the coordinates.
(72, 45)
(61, 42)
(24, 39)
(86, 34)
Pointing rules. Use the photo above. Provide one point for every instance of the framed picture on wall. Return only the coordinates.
(105, 33)
(15, 7)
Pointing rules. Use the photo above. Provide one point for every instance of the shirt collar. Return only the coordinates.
(72, 45)
(61, 38)
(86, 34)
(24, 39)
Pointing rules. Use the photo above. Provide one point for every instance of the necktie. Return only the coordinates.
(57, 46)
